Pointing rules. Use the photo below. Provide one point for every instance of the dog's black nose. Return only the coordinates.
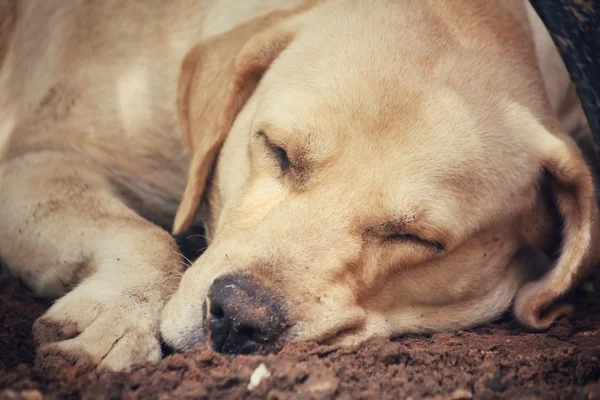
(242, 316)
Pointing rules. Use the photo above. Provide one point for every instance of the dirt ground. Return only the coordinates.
(494, 361)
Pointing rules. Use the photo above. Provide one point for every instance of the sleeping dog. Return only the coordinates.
(361, 168)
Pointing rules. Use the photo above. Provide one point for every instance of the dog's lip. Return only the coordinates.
(339, 336)
(165, 348)
(183, 343)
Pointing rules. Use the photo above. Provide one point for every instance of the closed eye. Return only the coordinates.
(281, 156)
(407, 237)
(277, 152)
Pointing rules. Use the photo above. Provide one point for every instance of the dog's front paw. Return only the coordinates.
(99, 326)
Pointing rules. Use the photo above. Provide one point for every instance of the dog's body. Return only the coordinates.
(94, 163)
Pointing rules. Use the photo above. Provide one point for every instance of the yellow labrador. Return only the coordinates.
(362, 167)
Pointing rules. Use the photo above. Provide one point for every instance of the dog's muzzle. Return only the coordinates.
(242, 317)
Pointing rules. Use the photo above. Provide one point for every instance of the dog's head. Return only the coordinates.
(369, 170)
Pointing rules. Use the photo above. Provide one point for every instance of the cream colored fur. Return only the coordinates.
(413, 118)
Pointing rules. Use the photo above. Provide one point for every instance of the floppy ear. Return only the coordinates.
(217, 77)
(574, 195)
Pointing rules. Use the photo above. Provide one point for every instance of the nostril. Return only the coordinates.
(248, 338)
(249, 332)
(216, 311)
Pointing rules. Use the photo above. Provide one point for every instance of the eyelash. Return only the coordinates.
(282, 157)
(407, 237)
(277, 152)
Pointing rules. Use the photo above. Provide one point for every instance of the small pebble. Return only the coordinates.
(260, 373)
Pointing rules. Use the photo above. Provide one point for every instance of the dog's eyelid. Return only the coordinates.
(277, 150)
(409, 237)
(282, 157)
(261, 134)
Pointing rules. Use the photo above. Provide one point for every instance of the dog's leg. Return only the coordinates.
(67, 233)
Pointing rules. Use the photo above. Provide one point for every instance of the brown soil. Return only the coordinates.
(495, 361)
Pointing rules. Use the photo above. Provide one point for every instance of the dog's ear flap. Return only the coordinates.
(574, 197)
(217, 77)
